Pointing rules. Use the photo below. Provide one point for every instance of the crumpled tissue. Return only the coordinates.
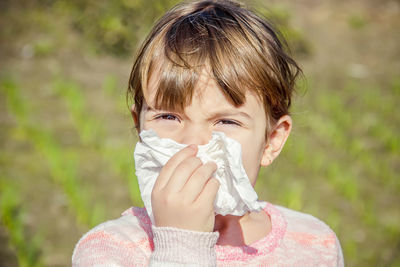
(235, 196)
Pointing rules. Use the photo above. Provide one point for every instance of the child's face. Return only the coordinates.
(210, 111)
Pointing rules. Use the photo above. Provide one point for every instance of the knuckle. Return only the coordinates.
(197, 161)
(191, 162)
(185, 164)
(213, 182)
(205, 172)
(214, 167)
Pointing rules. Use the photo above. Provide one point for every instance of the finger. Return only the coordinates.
(209, 193)
(182, 174)
(194, 186)
(171, 165)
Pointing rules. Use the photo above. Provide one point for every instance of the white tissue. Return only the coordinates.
(235, 196)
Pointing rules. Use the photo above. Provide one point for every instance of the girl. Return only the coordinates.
(210, 66)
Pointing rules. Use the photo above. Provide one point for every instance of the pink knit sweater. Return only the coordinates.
(296, 239)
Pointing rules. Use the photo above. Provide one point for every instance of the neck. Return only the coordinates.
(230, 229)
(242, 230)
(229, 221)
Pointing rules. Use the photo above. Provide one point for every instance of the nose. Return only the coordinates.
(195, 135)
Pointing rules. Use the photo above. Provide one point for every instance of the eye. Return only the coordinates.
(228, 122)
(167, 116)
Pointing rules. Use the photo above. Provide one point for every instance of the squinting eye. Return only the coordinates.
(170, 117)
(228, 122)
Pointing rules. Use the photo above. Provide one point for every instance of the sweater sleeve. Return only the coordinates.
(179, 247)
(340, 259)
(123, 242)
(101, 248)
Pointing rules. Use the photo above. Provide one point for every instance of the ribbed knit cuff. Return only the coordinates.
(184, 246)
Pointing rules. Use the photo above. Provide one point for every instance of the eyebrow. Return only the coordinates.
(149, 108)
(222, 113)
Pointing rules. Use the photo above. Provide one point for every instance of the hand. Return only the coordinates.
(183, 195)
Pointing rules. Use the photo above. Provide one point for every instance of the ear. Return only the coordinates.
(135, 117)
(277, 139)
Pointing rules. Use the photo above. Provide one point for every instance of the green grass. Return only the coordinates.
(357, 21)
(93, 134)
(62, 163)
(12, 216)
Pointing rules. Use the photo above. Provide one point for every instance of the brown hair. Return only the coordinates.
(240, 49)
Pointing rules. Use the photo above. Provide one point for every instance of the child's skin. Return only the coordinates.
(184, 193)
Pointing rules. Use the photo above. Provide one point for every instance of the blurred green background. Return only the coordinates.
(67, 139)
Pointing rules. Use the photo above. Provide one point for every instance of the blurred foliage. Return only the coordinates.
(62, 163)
(112, 26)
(280, 18)
(116, 27)
(12, 216)
(357, 21)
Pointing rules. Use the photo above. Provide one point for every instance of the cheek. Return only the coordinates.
(251, 156)
(163, 130)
